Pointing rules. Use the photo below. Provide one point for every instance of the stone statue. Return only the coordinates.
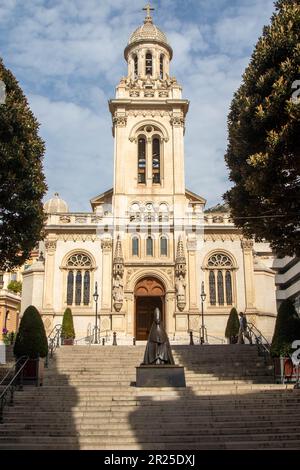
(158, 349)
(180, 288)
(118, 289)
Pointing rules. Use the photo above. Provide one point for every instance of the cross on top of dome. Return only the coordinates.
(148, 9)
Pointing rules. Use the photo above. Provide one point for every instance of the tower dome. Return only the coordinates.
(56, 205)
(148, 32)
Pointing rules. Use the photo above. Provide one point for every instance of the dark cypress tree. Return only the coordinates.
(68, 331)
(233, 325)
(287, 329)
(263, 154)
(22, 182)
(31, 337)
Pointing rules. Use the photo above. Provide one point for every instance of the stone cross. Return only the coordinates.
(148, 9)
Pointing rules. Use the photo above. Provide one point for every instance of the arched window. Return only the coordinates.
(212, 288)
(78, 288)
(149, 246)
(79, 268)
(142, 160)
(86, 288)
(228, 282)
(149, 64)
(70, 288)
(135, 246)
(163, 246)
(156, 160)
(221, 271)
(220, 288)
(136, 66)
(161, 66)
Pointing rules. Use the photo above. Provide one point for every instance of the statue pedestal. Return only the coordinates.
(160, 376)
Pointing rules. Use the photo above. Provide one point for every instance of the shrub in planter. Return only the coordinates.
(287, 330)
(32, 341)
(232, 328)
(67, 331)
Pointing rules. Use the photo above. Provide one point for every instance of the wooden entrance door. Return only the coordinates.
(145, 307)
(149, 295)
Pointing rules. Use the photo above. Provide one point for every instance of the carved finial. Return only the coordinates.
(118, 252)
(180, 249)
(148, 9)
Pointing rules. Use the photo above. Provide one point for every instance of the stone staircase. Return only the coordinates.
(89, 401)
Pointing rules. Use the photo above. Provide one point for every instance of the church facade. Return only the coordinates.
(149, 241)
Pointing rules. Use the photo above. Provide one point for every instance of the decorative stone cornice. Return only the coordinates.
(177, 121)
(50, 246)
(213, 237)
(247, 244)
(120, 121)
(76, 237)
(106, 244)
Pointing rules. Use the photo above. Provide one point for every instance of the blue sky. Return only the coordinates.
(68, 58)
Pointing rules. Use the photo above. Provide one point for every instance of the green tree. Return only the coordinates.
(233, 325)
(22, 182)
(68, 331)
(31, 337)
(263, 154)
(15, 286)
(287, 329)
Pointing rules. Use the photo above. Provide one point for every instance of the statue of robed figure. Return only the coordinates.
(158, 349)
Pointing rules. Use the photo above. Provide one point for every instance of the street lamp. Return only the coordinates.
(202, 329)
(96, 297)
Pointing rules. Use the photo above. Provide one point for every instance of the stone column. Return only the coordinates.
(50, 246)
(170, 307)
(193, 277)
(247, 246)
(177, 122)
(106, 245)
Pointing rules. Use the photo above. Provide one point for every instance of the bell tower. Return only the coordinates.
(148, 117)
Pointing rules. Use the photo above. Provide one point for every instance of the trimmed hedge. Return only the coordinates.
(31, 338)
(233, 325)
(68, 331)
(287, 329)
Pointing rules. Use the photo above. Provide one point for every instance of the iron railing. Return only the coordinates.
(106, 336)
(54, 342)
(259, 339)
(196, 334)
(7, 395)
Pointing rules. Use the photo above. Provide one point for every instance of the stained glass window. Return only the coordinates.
(156, 160)
(86, 288)
(135, 246)
(220, 288)
(228, 283)
(164, 246)
(212, 288)
(149, 246)
(70, 288)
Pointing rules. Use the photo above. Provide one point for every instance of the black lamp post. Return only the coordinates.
(203, 329)
(96, 297)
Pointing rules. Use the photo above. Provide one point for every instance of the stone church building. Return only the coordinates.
(149, 241)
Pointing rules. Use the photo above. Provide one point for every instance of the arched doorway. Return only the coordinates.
(149, 294)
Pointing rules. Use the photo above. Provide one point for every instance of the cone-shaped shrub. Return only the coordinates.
(287, 329)
(31, 338)
(233, 325)
(68, 331)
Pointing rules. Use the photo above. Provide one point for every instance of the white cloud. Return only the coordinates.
(68, 56)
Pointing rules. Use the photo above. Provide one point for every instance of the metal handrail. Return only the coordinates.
(11, 369)
(90, 337)
(264, 347)
(53, 342)
(11, 387)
